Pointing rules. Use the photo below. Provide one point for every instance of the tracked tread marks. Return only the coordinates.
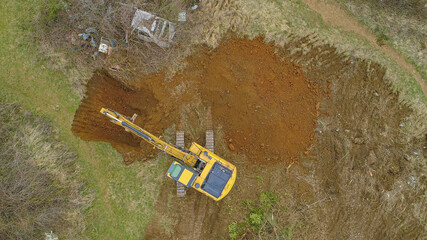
(180, 189)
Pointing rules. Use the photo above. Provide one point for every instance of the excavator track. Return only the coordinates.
(210, 140)
(202, 205)
(180, 189)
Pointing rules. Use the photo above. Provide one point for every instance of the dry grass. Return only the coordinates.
(194, 121)
(400, 23)
(40, 190)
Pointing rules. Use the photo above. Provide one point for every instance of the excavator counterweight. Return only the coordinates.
(196, 167)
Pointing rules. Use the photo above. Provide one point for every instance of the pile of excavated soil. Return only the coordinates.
(267, 108)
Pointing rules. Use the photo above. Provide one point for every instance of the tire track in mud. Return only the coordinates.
(194, 215)
(202, 203)
(206, 210)
(196, 220)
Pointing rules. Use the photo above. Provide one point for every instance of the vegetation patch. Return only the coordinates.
(261, 221)
(40, 187)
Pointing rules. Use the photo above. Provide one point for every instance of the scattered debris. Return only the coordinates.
(87, 33)
(106, 46)
(115, 68)
(405, 119)
(231, 147)
(407, 157)
(289, 166)
(151, 28)
(388, 195)
(412, 181)
(358, 140)
(182, 16)
(50, 236)
(93, 43)
(72, 36)
(372, 158)
(94, 55)
(103, 46)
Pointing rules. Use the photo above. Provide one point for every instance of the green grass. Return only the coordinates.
(263, 220)
(124, 195)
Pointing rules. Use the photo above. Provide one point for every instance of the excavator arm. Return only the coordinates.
(187, 157)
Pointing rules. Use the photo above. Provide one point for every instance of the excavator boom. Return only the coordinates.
(168, 148)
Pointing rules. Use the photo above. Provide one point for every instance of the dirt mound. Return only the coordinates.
(266, 106)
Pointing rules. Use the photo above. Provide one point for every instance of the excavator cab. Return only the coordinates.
(182, 174)
(217, 176)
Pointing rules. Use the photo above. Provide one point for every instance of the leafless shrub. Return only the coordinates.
(39, 187)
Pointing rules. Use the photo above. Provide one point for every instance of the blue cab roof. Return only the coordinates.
(216, 180)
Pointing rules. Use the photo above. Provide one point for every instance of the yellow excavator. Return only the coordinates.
(196, 167)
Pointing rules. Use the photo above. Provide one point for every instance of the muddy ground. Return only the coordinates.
(320, 131)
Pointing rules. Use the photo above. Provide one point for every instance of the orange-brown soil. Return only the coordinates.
(265, 105)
